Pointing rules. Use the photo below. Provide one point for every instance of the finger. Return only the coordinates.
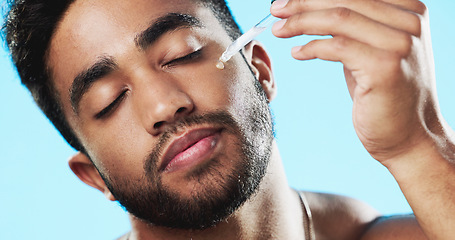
(409, 5)
(347, 23)
(393, 15)
(367, 63)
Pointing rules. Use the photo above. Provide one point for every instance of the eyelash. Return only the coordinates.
(112, 106)
(184, 59)
(115, 103)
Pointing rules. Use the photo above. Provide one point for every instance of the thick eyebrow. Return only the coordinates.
(84, 80)
(164, 24)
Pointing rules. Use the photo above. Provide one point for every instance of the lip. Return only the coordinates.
(189, 149)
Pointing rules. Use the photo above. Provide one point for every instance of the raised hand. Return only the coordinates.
(385, 48)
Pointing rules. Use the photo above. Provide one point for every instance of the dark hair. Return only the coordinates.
(28, 29)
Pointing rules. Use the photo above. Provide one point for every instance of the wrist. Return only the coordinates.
(432, 153)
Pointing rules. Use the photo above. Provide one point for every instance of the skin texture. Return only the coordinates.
(389, 73)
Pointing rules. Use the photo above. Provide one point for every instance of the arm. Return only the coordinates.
(426, 176)
(385, 48)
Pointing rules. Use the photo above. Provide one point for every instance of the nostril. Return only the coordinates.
(158, 124)
(182, 109)
(178, 113)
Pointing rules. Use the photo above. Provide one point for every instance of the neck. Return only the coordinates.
(273, 213)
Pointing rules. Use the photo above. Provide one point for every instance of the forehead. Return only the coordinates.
(121, 12)
(88, 25)
(90, 29)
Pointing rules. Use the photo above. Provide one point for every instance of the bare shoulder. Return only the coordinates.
(339, 217)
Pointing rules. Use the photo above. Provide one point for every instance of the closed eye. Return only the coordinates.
(112, 106)
(188, 58)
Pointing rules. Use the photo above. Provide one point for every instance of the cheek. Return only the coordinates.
(119, 148)
(237, 85)
(212, 88)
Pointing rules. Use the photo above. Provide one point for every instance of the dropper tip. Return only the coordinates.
(223, 58)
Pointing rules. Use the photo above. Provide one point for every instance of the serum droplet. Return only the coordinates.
(220, 65)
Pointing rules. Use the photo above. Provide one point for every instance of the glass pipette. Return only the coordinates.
(246, 38)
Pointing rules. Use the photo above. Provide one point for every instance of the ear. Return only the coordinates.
(261, 65)
(84, 169)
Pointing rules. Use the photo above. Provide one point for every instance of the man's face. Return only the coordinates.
(178, 142)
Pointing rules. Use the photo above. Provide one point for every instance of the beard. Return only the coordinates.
(220, 188)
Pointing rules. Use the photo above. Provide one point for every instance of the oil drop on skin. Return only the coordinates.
(220, 65)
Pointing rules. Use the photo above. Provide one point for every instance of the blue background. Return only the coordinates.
(40, 198)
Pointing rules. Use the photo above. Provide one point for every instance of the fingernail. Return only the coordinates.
(278, 4)
(278, 25)
(296, 49)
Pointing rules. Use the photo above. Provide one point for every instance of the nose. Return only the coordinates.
(162, 105)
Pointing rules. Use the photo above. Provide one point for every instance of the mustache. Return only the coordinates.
(219, 118)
